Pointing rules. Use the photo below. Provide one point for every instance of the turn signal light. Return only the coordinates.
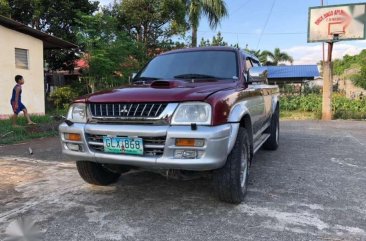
(189, 142)
(72, 137)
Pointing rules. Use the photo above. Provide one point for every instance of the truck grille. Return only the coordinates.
(128, 110)
(153, 146)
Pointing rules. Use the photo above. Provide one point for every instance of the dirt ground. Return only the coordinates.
(312, 188)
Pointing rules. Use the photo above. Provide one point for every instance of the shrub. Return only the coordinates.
(63, 96)
(310, 102)
(290, 102)
(343, 108)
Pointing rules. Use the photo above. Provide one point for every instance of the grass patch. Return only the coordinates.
(46, 127)
(299, 115)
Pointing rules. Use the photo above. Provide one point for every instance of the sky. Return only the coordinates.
(269, 24)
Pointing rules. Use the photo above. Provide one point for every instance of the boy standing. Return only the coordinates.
(16, 101)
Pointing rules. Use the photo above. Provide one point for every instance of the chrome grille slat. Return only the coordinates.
(154, 146)
(126, 110)
(95, 143)
(151, 109)
(158, 109)
(142, 112)
(128, 113)
(138, 105)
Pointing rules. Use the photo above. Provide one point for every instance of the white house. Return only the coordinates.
(21, 52)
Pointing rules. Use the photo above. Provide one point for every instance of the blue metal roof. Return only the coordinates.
(293, 71)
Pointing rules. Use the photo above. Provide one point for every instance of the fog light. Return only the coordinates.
(72, 137)
(73, 147)
(185, 154)
(189, 142)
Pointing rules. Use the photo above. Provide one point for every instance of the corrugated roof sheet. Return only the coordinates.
(293, 71)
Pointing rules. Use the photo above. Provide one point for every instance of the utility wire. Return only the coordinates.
(265, 24)
(236, 10)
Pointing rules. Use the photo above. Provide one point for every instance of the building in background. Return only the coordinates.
(21, 49)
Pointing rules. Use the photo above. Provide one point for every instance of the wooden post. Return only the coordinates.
(322, 3)
(327, 86)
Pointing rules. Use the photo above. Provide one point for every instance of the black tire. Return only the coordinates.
(274, 130)
(231, 181)
(95, 173)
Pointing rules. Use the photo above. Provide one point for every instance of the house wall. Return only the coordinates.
(33, 88)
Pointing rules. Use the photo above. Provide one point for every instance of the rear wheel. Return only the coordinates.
(95, 173)
(231, 181)
(274, 131)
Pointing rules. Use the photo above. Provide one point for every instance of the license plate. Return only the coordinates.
(126, 145)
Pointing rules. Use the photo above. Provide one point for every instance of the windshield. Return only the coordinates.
(192, 65)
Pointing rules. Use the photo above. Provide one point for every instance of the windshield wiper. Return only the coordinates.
(195, 76)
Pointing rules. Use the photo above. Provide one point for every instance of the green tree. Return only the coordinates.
(347, 62)
(360, 79)
(217, 40)
(5, 8)
(58, 18)
(215, 10)
(150, 21)
(277, 57)
(205, 42)
(111, 54)
(261, 55)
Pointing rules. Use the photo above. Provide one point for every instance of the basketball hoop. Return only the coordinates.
(335, 36)
(334, 23)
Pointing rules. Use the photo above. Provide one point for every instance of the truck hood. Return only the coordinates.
(162, 91)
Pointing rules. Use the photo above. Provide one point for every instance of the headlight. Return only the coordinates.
(192, 112)
(77, 113)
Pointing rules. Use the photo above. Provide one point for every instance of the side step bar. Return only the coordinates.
(259, 142)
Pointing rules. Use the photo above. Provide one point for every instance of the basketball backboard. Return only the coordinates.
(337, 22)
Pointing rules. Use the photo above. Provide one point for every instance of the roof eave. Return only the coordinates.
(49, 41)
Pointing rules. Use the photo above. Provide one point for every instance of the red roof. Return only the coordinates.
(81, 63)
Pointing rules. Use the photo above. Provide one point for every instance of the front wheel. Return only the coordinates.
(95, 173)
(231, 181)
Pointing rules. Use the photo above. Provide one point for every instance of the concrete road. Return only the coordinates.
(312, 188)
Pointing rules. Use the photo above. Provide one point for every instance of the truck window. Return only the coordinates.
(248, 63)
(220, 64)
(255, 63)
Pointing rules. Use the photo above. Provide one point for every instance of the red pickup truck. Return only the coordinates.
(187, 112)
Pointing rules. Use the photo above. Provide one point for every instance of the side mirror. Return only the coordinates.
(257, 74)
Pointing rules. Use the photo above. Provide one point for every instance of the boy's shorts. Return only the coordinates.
(20, 108)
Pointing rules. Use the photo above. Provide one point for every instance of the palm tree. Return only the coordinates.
(215, 10)
(277, 56)
(261, 55)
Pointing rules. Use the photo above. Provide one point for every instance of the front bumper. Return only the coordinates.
(219, 140)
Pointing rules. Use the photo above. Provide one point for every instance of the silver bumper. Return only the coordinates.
(219, 141)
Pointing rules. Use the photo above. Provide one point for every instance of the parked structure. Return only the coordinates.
(290, 74)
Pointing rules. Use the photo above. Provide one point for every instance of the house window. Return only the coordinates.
(21, 58)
